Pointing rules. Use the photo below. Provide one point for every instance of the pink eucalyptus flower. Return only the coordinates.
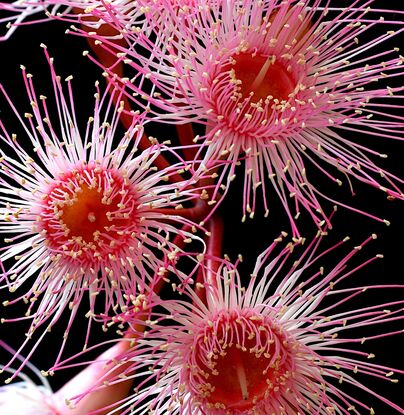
(14, 14)
(93, 14)
(284, 343)
(24, 12)
(286, 86)
(20, 13)
(81, 212)
(27, 397)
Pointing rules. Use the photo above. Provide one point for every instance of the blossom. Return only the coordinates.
(26, 398)
(25, 12)
(287, 86)
(30, 397)
(84, 214)
(18, 13)
(136, 15)
(284, 343)
(93, 14)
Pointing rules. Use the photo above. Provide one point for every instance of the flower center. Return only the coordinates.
(240, 361)
(262, 77)
(90, 213)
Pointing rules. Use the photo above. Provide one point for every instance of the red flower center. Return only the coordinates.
(240, 362)
(90, 213)
(263, 77)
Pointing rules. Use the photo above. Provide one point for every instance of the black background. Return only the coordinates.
(249, 238)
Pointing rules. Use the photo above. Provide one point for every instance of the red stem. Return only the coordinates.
(214, 252)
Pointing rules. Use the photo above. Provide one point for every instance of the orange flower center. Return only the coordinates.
(90, 213)
(262, 77)
(246, 365)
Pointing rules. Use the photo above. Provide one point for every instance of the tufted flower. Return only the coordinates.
(26, 398)
(288, 87)
(83, 212)
(34, 396)
(92, 14)
(284, 343)
(20, 13)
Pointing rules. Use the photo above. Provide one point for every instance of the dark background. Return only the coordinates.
(249, 238)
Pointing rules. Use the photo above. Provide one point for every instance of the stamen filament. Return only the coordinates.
(242, 378)
(262, 73)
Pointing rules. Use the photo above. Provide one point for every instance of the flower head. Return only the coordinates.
(13, 14)
(30, 397)
(280, 85)
(92, 14)
(82, 212)
(281, 344)
(26, 396)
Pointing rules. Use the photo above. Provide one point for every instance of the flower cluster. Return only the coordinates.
(119, 222)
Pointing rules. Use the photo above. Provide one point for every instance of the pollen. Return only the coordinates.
(89, 213)
(242, 361)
